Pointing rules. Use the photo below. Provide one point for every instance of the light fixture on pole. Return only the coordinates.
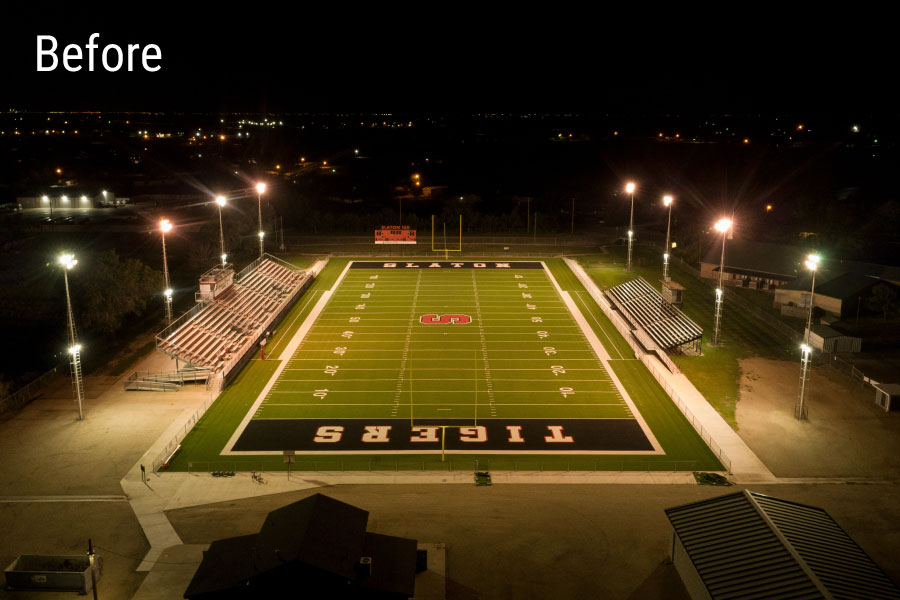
(800, 411)
(220, 200)
(722, 225)
(68, 261)
(46, 200)
(260, 190)
(165, 226)
(629, 187)
(667, 201)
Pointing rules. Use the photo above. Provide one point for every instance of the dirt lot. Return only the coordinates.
(846, 435)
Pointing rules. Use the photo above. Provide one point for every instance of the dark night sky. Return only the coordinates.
(456, 57)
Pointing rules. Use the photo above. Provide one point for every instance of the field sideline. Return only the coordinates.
(381, 351)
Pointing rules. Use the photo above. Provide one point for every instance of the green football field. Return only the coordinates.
(440, 367)
(419, 346)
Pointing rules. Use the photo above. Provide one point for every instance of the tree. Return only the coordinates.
(883, 299)
(112, 289)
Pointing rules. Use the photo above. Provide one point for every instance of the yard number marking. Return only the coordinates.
(331, 369)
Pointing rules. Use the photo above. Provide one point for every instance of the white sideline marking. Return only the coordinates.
(604, 357)
(284, 358)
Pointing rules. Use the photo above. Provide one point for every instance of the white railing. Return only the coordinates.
(651, 364)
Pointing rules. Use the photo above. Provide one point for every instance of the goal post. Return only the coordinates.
(443, 428)
(446, 250)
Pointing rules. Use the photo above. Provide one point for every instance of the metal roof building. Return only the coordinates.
(747, 545)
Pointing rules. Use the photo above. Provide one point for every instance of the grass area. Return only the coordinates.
(716, 373)
(684, 450)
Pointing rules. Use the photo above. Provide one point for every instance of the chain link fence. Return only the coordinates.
(26, 394)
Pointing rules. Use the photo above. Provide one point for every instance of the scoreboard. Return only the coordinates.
(395, 234)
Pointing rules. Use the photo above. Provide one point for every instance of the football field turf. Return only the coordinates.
(463, 357)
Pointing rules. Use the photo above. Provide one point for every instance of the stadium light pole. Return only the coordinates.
(800, 411)
(260, 190)
(667, 201)
(220, 200)
(165, 226)
(722, 225)
(629, 187)
(68, 261)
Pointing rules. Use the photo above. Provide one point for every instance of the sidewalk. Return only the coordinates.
(745, 465)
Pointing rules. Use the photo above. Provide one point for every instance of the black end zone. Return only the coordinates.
(526, 435)
(443, 264)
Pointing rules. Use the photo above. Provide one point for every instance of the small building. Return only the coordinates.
(673, 292)
(887, 395)
(749, 545)
(827, 339)
(838, 295)
(317, 547)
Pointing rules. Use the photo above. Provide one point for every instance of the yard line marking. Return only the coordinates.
(404, 356)
(484, 352)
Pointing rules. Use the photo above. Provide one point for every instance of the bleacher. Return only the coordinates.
(217, 333)
(646, 309)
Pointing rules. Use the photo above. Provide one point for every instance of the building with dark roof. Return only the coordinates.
(753, 264)
(317, 547)
(838, 294)
(748, 545)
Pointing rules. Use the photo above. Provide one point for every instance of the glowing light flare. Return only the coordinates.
(723, 225)
(812, 261)
(75, 348)
(220, 200)
(629, 187)
(805, 349)
(667, 200)
(68, 260)
(260, 188)
(165, 225)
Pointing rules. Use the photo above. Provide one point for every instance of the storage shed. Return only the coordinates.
(827, 339)
(885, 393)
(749, 545)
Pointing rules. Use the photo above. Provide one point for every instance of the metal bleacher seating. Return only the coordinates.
(224, 326)
(642, 305)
